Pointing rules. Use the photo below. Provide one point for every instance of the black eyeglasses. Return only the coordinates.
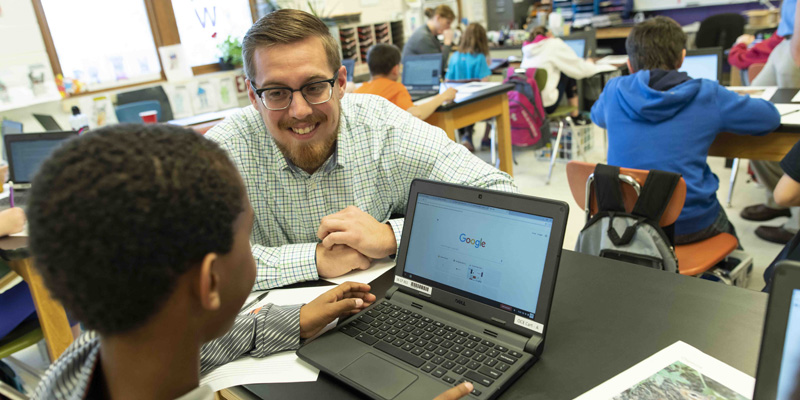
(280, 98)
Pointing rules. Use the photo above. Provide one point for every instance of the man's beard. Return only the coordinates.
(310, 156)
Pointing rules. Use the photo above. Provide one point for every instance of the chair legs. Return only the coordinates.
(734, 170)
(554, 155)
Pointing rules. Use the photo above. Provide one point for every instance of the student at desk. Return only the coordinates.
(325, 171)
(162, 296)
(563, 67)
(660, 118)
(384, 69)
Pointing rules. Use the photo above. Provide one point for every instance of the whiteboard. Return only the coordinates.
(650, 5)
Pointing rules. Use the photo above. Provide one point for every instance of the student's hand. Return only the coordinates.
(456, 392)
(449, 94)
(358, 230)
(12, 220)
(448, 36)
(746, 39)
(339, 260)
(342, 301)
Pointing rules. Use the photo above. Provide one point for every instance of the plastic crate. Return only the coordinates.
(573, 145)
(734, 270)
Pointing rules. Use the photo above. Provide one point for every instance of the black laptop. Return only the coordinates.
(473, 287)
(26, 152)
(48, 122)
(422, 75)
(778, 374)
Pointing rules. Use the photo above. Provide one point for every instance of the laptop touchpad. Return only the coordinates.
(378, 376)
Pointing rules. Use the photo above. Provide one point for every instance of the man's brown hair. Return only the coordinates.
(474, 40)
(287, 26)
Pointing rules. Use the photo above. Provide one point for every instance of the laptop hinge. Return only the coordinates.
(535, 344)
(391, 291)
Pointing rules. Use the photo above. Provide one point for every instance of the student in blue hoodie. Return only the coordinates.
(659, 118)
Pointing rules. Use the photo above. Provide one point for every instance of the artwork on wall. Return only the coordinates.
(203, 97)
(228, 97)
(181, 101)
(176, 64)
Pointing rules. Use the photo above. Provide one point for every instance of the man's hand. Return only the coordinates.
(449, 94)
(448, 36)
(746, 39)
(12, 220)
(342, 301)
(456, 392)
(357, 229)
(339, 260)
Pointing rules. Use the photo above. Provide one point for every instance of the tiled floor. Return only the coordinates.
(530, 175)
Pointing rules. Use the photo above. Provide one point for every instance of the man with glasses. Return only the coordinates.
(325, 173)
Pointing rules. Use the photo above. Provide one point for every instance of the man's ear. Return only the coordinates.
(209, 283)
(630, 69)
(251, 94)
(342, 80)
(683, 56)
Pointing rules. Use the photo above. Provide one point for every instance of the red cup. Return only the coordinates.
(149, 117)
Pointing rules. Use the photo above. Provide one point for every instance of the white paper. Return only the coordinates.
(698, 362)
(469, 88)
(756, 92)
(277, 368)
(613, 60)
(368, 275)
(796, 98)
(790, 113)
(176, 64)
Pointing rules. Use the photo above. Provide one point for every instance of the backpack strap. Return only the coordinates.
(606, 188)
(656, 194)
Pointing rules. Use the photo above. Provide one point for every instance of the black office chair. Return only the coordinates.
(720, 30)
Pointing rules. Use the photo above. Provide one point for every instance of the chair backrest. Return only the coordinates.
(753, 70)
(541, 78)
(579, 172)
(130, 112)
(720, 30)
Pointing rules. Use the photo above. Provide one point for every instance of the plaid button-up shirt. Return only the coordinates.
(380, 150)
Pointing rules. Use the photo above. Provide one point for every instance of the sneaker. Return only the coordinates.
(760, 212)
(581, 120)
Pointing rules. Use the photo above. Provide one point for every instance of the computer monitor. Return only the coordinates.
(578, 46)
(703, 63)
(151, 93)
(350, 65)
(9, 127)
(584, 43)
(422, 70)
(26, 152)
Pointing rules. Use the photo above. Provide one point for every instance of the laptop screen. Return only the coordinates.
(491, 255)
(701, 66)
(422, 70)
(578, 46)
(790, 361)
(27, 155)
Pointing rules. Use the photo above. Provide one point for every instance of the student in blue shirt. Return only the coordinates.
(470, 63)
(659, 118)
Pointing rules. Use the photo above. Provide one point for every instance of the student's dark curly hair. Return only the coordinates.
(119, 214)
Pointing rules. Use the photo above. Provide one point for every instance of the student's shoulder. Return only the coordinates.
(237, 127)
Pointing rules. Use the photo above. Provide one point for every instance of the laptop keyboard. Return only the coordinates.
(435, 348)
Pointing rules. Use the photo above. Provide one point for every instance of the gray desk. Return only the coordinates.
(606, 317)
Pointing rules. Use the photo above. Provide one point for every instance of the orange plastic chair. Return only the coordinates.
(693, 259)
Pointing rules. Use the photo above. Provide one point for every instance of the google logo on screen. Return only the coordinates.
(477, 242)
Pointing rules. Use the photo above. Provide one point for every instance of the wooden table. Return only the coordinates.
(613, 32)
(52, 317)
(482, 105)
(771, 147)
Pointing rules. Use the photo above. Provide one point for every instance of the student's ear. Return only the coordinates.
(342, 79)
(251, 94)
(209, 282)
(683, 56)
(396, 72)
(630, 69)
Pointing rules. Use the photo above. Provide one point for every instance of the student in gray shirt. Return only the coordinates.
(424, 39)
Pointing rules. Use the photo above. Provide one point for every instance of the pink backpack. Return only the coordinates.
(525, 109)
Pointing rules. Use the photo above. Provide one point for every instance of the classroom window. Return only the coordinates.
(105, 44)
(202, 24)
